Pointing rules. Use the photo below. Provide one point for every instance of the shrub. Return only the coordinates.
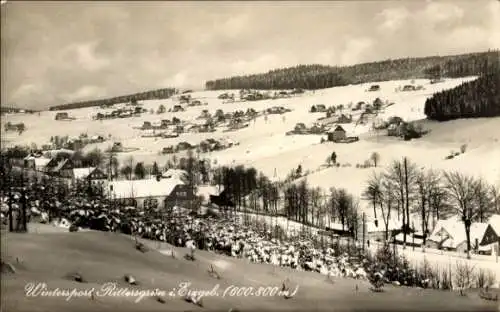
(463, 276)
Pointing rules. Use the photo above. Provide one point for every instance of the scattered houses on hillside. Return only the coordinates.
(124, 112)
(301, 129)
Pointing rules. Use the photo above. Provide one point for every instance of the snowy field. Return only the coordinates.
(265, 146)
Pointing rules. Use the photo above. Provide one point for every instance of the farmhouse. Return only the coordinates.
(337, 134)
(491, 239)
(150, 193)
(92, 174)
(60, 168)
(395, 130)
(62, 116)
(177, 108)
(320, 108)
(450, 235)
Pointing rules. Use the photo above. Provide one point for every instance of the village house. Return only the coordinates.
(91, 174)
(300, 128)
(396, 130)
(60, 168)
(338, 134)
(62, 116)
(491, 239)
(319, 108)
(147, 125)
(150, 193)
(450, 235)
(177, 108)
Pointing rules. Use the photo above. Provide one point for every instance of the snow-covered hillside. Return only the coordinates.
(265, 146)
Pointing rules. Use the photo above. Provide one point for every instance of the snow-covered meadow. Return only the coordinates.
(265, 146)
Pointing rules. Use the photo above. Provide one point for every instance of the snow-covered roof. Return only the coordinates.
(82, 173)
(41, 161)
(142, 188)
(53, 153)
(455, 231)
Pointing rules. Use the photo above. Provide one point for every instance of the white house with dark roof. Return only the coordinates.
(161, 193)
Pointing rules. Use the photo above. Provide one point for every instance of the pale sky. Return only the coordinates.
(56, 52)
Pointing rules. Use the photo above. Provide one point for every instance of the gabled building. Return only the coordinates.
(92, 174)
(337, 134)
(450, 235)
(151, 193)
(491, 238)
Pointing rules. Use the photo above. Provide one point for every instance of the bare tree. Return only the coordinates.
(373, 192)
(482, 199)
(403, 175)
(461, 189)
(426, 182)
(495, 197)
(387, 200)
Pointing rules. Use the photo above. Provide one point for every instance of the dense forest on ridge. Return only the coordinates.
(142, 96)
(319, 76)
(478, 98)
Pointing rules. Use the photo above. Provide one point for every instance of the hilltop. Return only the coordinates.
(106, 257)
(141, 96)
(320, 76)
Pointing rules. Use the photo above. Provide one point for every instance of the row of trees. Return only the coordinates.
(404, 188)
(133, 98)
(478, 98)
(319, 76)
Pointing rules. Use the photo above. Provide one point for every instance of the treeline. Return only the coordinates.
(478, 98)
(141, 96)
(319, 76)
(9, 109)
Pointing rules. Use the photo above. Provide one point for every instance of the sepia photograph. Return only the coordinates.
(250, 156)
